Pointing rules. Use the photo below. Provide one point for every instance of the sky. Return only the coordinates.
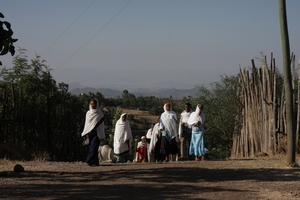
(127, 44)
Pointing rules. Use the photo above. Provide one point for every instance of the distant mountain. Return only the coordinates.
(75, 85)
(107, 93)
(160, 93)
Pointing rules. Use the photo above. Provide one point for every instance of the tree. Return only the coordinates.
(221, 106)
(38, 119)
(129, 100)
(6, 40)
(291, 134)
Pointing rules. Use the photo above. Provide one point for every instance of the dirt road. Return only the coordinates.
(258, 178)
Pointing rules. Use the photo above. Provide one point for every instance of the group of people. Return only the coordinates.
(160, 144)
(93, 133)
(168, 132)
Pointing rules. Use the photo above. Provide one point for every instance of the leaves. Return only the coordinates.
(6, 40)
(12, 50)
(4, 50)
(7, 24)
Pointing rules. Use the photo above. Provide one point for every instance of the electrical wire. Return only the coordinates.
(94, 35)
(67, 28)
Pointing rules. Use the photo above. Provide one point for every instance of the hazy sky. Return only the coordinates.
(149, 43)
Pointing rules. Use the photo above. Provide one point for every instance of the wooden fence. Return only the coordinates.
(261, 127)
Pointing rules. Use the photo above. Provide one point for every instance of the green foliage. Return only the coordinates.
(6, 40)
(221, 108)
(130, 117)
(129, 100)
(111, 140)
(117, 115)
(38, 113)
(45, 119)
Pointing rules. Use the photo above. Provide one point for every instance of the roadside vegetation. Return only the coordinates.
(41, 120)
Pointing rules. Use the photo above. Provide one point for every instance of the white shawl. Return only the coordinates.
(149, 133)
(92, 117)
(153, 137)
(122, 135)
(169, 123)
(105, 153)
(185, 116)
(183, 119)
(195, 117)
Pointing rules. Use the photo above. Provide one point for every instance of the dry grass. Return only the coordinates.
(141, 115)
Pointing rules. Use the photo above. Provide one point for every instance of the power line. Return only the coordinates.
(67, 29)
(94, 35)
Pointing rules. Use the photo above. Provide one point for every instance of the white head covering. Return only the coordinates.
(92, 117)
(195, 117)
(122, 135)
(141, 143)
(154, 137)
(185, 116)
(169, 122)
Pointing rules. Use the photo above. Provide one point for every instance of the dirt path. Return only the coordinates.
(259, 178)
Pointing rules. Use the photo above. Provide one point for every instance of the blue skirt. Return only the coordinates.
(197, 144)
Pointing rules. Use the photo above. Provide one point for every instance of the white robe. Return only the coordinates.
(154, 138)
(183, 119)
(149, 133)
(122, 135)
(105, 154)
(92, 117)
(169, 123)
(195, 117)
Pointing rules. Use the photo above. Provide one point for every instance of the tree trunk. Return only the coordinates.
(287, 82)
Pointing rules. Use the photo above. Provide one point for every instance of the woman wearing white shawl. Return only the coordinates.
(94, 130)
(196, 120)
(169, 128)
(155, 142)
(122, 139)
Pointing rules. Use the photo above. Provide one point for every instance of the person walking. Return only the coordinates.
(122, 139)
(169, 133)
(196, 120)
(185, 132)
(148, 139)
(155, 142)
(93, 131)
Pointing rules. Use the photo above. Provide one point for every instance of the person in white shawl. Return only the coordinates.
(169, 130)
(185, 131)
(196, 120)
(122, 139)
(105, 153)
(155, 142)
(93, 131)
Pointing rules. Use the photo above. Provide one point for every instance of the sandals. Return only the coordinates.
(199, 159)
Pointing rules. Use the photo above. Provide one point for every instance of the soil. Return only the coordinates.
(255, 178)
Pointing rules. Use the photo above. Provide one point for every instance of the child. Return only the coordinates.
(142, 150)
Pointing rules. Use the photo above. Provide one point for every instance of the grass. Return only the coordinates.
(141, 115)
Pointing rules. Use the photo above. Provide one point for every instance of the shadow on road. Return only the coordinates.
(131, 183)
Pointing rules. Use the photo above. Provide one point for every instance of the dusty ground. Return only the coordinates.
(258, 178)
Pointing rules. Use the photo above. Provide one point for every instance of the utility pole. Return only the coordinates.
(291, 133)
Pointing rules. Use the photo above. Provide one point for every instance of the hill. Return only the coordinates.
(76, 89)
(161, 93)
(141, 121)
